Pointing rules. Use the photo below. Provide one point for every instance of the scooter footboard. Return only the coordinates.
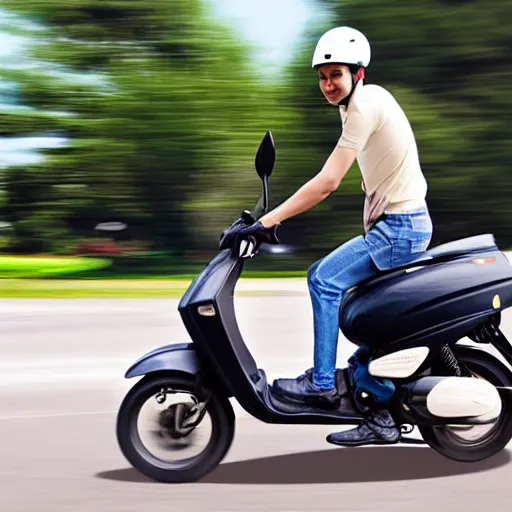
(451, 400)
(177, 356)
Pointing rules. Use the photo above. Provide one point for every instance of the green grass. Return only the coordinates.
(135, 288)
(50, 288)
(44, 266)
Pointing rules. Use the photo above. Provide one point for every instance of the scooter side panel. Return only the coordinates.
(177, 356)
(417, 305)
(216, 334)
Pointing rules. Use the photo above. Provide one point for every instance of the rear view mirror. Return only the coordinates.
(266, 156)
(264, 162)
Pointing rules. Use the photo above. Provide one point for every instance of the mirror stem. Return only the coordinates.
(265, 194)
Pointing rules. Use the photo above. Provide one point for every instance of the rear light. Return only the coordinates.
(483, 261)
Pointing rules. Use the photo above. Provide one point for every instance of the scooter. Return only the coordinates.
(410, 319)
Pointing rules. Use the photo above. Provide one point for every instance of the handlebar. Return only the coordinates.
(253, 236)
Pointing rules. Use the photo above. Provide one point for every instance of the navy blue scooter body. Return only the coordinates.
(180, 357)
(428, 304)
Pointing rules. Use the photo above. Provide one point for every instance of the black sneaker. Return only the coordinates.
(303, 391)
(378, 428)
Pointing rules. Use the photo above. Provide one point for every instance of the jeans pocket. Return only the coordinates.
(397, 239)
(421, 223)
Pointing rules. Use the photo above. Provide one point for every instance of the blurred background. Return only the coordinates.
(129, 128)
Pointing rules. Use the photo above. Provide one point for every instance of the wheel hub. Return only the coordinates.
(173, 420)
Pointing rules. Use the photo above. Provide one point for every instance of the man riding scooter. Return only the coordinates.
(397, 224)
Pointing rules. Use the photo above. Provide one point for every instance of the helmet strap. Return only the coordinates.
(359, 75)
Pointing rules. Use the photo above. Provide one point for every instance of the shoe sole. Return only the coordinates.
(363, 443)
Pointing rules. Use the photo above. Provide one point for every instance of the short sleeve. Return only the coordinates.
(356, 130)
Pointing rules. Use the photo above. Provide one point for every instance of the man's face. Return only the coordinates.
(335, 82)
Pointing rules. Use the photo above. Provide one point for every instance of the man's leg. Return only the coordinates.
(412, 231)
(328, 278)
(339, 271)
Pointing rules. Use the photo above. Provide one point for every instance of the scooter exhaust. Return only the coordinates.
(451, 401)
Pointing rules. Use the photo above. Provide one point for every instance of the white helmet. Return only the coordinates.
(342, 45)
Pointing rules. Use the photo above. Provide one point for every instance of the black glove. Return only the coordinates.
(228, 237)
(246, 228)
(259, 234)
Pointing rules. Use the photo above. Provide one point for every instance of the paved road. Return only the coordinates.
(61, 381)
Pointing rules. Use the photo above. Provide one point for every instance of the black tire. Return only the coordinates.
(444, 441)
(223, 430)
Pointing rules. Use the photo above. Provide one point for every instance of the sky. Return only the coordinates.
(275, 26)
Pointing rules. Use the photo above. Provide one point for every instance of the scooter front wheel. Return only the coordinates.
(169, 433)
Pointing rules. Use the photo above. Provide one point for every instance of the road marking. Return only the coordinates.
(55, 415)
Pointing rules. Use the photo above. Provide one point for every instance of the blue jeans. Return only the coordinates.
(392, 241)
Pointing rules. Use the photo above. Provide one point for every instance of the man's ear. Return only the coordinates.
(360, 75)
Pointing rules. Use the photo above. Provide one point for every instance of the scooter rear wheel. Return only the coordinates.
(458, 443)
(172, 429)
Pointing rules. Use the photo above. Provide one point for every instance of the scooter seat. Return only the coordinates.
(465, 245)
(456, 248)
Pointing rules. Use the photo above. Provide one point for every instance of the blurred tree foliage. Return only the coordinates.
(164, 110)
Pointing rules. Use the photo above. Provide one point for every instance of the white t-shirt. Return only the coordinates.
(376, 126)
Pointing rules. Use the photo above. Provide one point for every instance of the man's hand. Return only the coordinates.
(259, 233)
(229, 235)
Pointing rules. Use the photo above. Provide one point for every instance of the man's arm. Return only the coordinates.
(315, 190)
